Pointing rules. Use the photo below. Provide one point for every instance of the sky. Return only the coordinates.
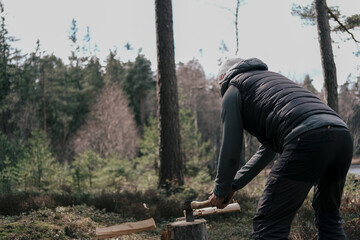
(267, 30)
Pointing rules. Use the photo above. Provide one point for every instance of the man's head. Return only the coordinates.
(225, 66)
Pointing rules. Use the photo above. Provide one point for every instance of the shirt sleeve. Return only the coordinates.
(253, 167)
(228, 177)
(231, 147)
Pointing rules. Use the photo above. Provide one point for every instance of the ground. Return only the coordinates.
(81, 221)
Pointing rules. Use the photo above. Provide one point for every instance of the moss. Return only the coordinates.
(11, 229)
(29, 228)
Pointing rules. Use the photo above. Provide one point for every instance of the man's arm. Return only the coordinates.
(252, 168)
(228, 179)
(231, 147)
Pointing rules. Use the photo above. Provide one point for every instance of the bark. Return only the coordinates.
(182, 230)
(44, 101)
(170, 174)
(327, 57)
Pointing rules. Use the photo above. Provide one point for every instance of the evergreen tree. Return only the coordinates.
(307, 83)
(9, 73)
(341, 23)
(84, 170)
(137, 83)
(62, 179)
(8, 176)
(197, 154)
(60, 101)
(114, 70)
(76, 79)
(69, 93)
(148, 145)
(171, 169)
(93, 76)
(119, 173)
(318, 12)
(10, 153)
(37, 168)
(5, 55)
(327, 57)
(29, 112)
(74, 60)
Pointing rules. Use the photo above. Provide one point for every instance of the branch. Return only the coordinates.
(236, 26)
(342, 25)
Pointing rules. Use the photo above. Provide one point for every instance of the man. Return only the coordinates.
(314, 145)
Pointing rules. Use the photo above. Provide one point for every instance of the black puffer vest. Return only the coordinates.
(272, 105)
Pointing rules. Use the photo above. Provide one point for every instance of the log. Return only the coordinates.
(233, 207)
(125, 228)
(182, 230)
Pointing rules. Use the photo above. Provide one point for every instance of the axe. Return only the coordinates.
(195, 208)
(189, 228)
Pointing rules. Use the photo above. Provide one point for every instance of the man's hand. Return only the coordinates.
(220, 202)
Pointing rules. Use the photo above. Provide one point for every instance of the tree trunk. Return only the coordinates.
(327, 57)
(182, 230)
(142, 110)
(171, 173)
(44, 100)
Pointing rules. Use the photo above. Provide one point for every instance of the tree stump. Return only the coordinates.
(182, 230)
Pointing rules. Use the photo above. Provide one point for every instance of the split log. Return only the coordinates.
(125, 228)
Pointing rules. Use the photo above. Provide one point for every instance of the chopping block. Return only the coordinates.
(183, 230)
(189, 228)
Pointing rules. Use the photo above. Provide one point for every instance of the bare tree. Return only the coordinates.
(110, 127)
(202, 97)
(238, 2)
(348, 99)
(171, 169)
(191, 84)
(327, 57)
(236, 20)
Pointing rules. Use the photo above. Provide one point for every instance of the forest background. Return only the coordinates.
(83, 131)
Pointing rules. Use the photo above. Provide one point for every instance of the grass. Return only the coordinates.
(80, 221)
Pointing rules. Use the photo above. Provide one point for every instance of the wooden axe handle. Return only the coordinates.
(211, 210)
(197, 205)
(232, 207)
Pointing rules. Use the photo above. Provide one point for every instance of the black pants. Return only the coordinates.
(319, 158)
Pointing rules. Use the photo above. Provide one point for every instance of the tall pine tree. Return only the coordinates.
(171, 167)
(137, 83)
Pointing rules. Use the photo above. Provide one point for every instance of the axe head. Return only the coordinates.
(189, 212)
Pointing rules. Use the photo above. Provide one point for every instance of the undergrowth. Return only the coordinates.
(76, 217)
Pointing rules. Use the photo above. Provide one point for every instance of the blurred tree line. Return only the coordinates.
(86, 127)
